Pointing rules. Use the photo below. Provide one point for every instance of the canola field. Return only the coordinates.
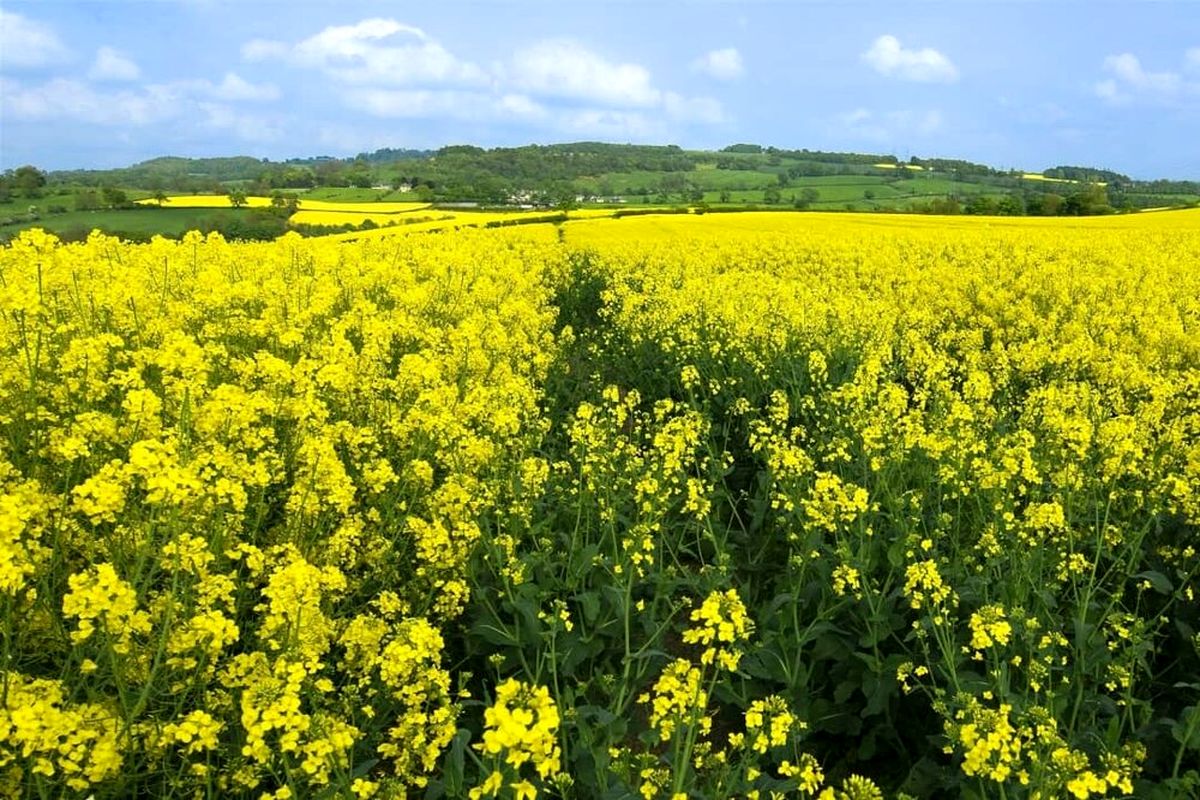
(414, 217)
(689, 507)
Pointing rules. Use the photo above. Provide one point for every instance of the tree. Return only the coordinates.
(1091, 200)
(284, 204)
(86, 200)
(808, 195)
(237, 198)
(114, 197)
(1052, 204)
(771, 195)
(160, 197)
(28, 180)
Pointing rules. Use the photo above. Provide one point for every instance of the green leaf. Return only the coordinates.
(1161, 583)
(493, 633)
(455, 769)
(1187, 730)
(589, 603)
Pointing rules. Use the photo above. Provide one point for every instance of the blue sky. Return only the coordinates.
(1029, 85)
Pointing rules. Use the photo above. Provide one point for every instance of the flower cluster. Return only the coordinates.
(721, 627)
(520, 727)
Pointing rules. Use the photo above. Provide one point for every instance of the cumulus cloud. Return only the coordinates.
(235, 87)
(724, 64)
(1129, 81)
(62, 98)
(447, 104)
(27, 43)
(891, 59)
(389, 69)
(378, 51)
(80, 101)
(566, 69)
(1128, 70)
(110, 65)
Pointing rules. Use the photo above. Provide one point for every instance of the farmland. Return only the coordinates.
(674, 505)
(253, 199)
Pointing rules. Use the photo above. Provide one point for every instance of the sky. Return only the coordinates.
(1025, 85)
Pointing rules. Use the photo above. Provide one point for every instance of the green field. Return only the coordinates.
(167, 221)
(352, 194)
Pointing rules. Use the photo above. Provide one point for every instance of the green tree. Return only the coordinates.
(114, 197)
(160, 197)
(1052, 204)
(87, 200)
(284, 204)
(808, 195)
(237, 198)
(28, 180)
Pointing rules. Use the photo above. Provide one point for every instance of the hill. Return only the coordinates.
(597, 174)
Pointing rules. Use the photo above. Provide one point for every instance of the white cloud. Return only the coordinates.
(374, 51)
(110, 65)
(74, 100)
(1128, 69)
(248, 127)
(446, 104)
(26, 43)
(388, 69)
(263, 50)
(889, 58)
(1129, 81)
(566, 69)
(235, 87)
(78, 101)
(724, 64)
(483, 106)
(232, 88)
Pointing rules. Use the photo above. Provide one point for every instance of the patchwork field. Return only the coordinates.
(683, 506)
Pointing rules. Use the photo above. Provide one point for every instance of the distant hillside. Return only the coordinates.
(596, 172)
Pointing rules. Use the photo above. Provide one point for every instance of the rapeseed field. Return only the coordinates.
(693, 506)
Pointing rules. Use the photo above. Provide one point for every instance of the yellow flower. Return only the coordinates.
(521, 726)
(100, 600)
(723, 627)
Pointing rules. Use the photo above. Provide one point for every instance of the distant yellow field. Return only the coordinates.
(675, 226)
(455, 220)
(306, 216)
(374, 208)
(894, 166)
(1034, 176)
(204, 201)
(255, 201)
(600, 225)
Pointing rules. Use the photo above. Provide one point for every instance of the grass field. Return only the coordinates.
(172, 221)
